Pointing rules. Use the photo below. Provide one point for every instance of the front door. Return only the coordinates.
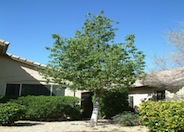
(86, 104)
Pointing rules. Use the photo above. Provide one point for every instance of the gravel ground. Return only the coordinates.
(68, 126)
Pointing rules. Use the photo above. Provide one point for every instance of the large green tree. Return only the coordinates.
(91, 60)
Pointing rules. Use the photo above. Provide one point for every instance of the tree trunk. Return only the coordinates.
(94, 116)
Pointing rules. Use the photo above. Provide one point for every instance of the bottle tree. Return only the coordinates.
(91, 60)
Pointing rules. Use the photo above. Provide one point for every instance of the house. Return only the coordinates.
(19, 77)
(162, 85)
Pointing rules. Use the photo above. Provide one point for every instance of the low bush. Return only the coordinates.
(10, 112)
(50, 107)
(162, 116)
(126, 119)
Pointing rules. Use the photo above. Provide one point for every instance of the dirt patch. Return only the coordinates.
(69, 126)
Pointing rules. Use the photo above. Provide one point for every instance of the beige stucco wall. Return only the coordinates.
(141, 93)
(69, 92)
(138, 98)
(12, 71)
(144, 93)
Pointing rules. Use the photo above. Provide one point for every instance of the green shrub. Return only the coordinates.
(5, 99)
(113, 103)
(163, 115)
(126, 119)
(50, 107)
(10, 112)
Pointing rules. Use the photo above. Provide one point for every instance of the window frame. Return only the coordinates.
(51, 88)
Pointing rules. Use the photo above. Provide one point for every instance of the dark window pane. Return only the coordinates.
(160, 95)
(12, 89)
(58, 91)
(35, 89)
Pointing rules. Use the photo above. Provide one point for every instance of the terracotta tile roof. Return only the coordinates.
(20, 59)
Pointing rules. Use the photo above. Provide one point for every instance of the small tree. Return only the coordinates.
(92, 61)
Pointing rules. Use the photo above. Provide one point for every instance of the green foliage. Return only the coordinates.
(10, 112)
(163, 115)
(127, 119)
(50, 107)
(113, 103)
(91, 60)
(5, 99)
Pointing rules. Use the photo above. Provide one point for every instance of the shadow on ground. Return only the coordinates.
(24, 124)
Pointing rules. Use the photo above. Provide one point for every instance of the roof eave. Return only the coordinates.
(5, 45)
(26, 61)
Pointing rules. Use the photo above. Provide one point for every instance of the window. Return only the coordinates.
(35, 89)
(58, 91)
(161, 95)
(12, 89)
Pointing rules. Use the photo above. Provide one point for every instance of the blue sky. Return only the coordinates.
(28, 24)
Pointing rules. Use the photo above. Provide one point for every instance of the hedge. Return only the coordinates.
(162, 116)
(10, 112)
(50, 107)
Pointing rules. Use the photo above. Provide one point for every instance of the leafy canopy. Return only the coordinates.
(92, 61)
